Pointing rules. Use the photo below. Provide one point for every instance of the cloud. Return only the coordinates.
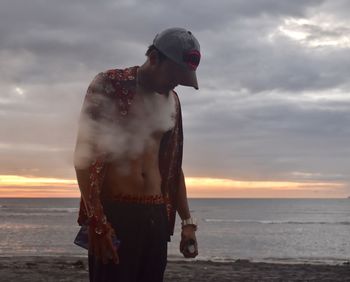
(274, 89)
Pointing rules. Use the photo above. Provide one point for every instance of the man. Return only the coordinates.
(128, 162)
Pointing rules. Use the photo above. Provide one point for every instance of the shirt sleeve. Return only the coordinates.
(88, 156)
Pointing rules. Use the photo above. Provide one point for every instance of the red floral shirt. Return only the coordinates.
(120, 87)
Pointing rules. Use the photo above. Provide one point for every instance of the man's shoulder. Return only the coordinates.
(118, 75)
(113, 81)
(115, 85)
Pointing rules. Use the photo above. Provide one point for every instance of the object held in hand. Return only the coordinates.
(191, 246)
(82, 238)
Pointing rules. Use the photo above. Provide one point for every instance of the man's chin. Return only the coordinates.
(164, 92)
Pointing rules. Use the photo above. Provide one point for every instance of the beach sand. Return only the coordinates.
(33, 269)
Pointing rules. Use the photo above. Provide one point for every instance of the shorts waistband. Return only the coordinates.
(145, 199)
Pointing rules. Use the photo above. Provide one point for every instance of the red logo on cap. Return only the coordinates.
(192, 59)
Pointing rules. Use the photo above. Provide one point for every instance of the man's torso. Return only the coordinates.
(137, 171)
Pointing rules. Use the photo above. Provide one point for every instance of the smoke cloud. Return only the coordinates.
(150, 114)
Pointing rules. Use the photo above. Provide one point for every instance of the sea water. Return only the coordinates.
(287, 230)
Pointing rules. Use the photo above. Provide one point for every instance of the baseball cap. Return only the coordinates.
(180, 46)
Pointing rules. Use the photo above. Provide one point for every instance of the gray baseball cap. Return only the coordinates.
(180, 45)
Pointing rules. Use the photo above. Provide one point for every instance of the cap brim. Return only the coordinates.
(189, 78)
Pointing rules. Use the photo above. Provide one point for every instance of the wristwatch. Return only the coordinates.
(189, 221)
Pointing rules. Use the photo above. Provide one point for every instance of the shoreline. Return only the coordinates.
(179, 259)
(70, 268)
(309, 261)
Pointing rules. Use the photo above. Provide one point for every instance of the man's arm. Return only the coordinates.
(85, 152)
(188, 231)
(182, 203)
(83, 183)
(86, 167)
(100, 245)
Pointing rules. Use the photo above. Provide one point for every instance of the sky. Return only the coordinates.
(271, 118)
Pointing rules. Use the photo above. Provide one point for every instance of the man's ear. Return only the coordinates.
(153, 58)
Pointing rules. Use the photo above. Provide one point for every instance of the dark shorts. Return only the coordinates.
(142, 230)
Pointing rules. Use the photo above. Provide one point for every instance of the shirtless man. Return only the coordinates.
(128, 162)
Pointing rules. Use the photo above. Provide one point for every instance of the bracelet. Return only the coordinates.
(189, 221)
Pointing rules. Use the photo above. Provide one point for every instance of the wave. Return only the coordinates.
(277, 221)
(284, 260)
(24, 214)
(41, 209)
(69, 210)
(180, 258)
(30, 211)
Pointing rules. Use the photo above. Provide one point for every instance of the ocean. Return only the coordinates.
(272, 230)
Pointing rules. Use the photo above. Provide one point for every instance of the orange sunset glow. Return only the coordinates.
(22, 186)
(197, 187)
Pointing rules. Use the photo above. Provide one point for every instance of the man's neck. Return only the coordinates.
(144, 82)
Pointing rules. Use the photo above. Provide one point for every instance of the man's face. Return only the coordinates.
(167, 75)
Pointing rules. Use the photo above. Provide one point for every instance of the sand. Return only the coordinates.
(33, 269)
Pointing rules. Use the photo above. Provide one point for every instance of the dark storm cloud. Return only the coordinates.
(253, 117)
(274, 140)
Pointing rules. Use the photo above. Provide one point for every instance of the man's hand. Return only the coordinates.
(188, 235)
(101, 246)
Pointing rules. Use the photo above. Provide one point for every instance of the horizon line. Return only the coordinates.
(224, 198)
